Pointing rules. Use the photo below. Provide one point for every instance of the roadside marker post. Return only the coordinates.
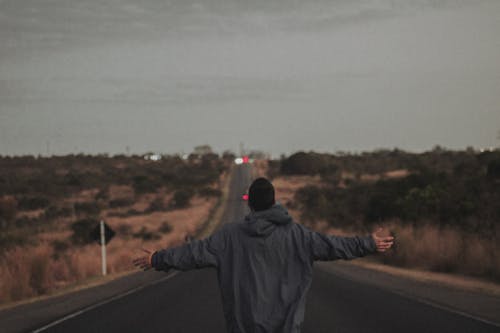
(103, 248)
(102, 234)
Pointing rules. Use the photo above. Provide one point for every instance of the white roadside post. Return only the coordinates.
(103, 248)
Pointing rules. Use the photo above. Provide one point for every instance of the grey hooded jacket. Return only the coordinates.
(264, 267)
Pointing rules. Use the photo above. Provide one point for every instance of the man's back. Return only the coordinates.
(264, 267)
(264, 273)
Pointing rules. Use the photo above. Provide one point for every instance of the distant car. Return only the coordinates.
(242, 160)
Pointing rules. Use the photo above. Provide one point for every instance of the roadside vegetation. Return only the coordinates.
(443, 206)
(48, 206)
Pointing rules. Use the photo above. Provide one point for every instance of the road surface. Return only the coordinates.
(190, 302)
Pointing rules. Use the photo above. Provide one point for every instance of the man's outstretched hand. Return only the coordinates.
(383, 243)
(144, 262)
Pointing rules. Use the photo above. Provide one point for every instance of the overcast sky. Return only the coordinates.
(97, 76)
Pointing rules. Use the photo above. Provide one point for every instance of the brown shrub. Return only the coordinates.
(165, 228)
(85, 262)
(39, 265)
(14, 276)
(25, 272)
(8, 210)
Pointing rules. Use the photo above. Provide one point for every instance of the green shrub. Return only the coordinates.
(124, 202)
(181, 198)
(53, 212)
(82, 229)
(165, 228)
(209, 192)
(13, 238)
(102, 194)
(144, 184)
(130, 212)
(25, 221)
(87, 208)
(146, 235)
(60, 245)
(314, 200)
(73, 179)
(157, 205)
(33, 203)
(124, 231)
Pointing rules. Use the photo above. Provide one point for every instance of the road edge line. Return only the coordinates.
(104, 302)
(445, 308)
(416, 299)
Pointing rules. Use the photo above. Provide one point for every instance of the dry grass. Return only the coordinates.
(121, 192)
(83, 196)
(444, 250)
(32, 271)
(400, 173)
(260, 168)
(37, 269)
(430, 248)
(393, 174)
(286, 186)
(31, 214)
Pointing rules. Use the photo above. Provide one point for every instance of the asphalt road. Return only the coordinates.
(190, 302)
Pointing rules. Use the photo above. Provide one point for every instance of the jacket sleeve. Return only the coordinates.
(324, 247)
(196, 254)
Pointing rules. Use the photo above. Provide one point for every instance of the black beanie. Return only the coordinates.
(261, 194)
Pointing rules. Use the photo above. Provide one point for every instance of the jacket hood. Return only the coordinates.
(264, 222)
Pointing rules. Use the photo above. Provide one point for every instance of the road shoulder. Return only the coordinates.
(482, 304)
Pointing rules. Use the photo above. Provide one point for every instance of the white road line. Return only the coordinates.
(109, 300)
(420, 300)
(444, 307)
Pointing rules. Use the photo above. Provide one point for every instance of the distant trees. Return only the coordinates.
(446, 188)
(302, 163)
(228, 155)
(36, 182)
(202, 150)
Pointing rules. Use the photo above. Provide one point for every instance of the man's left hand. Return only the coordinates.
(383, 243)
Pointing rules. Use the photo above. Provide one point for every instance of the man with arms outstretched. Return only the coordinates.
(264, 263)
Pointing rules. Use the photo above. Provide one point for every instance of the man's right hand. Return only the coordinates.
(144, 262)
